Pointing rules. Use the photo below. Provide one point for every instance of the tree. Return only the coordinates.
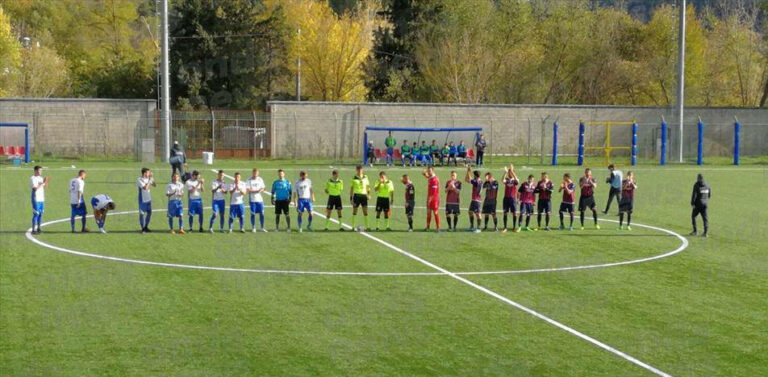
(43, 74)
(10, 55)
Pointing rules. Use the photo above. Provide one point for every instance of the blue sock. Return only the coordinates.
(82, 221)
(241, 219)
(261, 219)
(299, 221)
(181, 222)
(231, 220)
(213, 218)
(170, 223)
(310, 220)
(146, 220)
(72, 222)
(141, 220)
(221, 221)
(191, 221)
(200, 220)
(253, 220)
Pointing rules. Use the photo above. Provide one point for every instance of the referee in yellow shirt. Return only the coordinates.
(385, 196)
(333, 188)
(359, 194)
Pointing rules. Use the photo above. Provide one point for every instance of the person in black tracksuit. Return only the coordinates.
(699, 202)
(177, 159)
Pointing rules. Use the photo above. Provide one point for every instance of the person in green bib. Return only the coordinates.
(424, 152)
(359, 193)
(390, 143)
(434, 151)
(385, 196)
(333, 187)
(444, 154)
(405, 153)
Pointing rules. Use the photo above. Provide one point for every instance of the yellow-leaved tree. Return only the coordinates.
(10, 54)
(332, 48)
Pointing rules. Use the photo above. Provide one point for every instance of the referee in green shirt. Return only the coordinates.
(390, 143)
(359, 193)
(385, 196)
(333, 188)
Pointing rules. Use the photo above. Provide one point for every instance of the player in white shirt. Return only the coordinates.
(77, 201)
(144, 183)
(37, 184)
(304, 196)
(255, 187)
(237, 190)
(101, 205)
(218, 188)
(175, 192)
(195, 188)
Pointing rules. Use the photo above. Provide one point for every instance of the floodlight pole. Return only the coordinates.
(681, 71)
(298, 70)
(166, 90)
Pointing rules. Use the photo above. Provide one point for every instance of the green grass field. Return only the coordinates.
(700, 312)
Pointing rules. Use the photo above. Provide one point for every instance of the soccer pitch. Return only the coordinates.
(582, 303)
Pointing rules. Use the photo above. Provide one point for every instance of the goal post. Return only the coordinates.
(14, 141)
(606, 146)
(441, 135)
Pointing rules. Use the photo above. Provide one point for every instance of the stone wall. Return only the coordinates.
(83, 127)
(335, 130)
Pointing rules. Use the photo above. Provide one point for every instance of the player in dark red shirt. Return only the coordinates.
(410, 200)
(474, 205)
(452, 192)
(491, 187)
(587, 199)
(510, 196)
(527, 192)
(433, 197)
(544, 188)
(568, 188)
(627, 201)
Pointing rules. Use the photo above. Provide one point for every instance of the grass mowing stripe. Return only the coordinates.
(506, 300)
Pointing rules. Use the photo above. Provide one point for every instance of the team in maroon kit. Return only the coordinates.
(518, 201)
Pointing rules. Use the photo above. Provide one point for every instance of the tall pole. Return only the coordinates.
(166, 90)
(298, 71)
(681, 71)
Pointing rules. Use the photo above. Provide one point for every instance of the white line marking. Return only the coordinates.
(516, 305)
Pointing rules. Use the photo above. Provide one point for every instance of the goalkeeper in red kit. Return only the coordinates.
(433, 197)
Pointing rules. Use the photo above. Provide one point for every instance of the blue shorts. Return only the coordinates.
(145, 207)
(78, 210)
(526, 208)
(38, 207)
(195, 207)
(257, 207)
(175, 208)
(219, 206)
(304, 205)
(236, 210)
(390, 152)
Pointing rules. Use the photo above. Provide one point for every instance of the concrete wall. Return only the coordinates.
(83, 127)
(334, 130)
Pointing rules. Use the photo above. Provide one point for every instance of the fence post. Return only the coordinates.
(365, 148)
(663, 158)
(26, 144)
(554, 144)
(213, 133)
(736, 139)
(581, 143)
(700, 148)
(634, 144)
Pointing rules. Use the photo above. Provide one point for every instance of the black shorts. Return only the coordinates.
(409, 205)
(626, 204)
(510, 205)
(334, 202)
(566, 207)
(382, 204)
(489, 207)
(586, 202)
(544, 206)
(359, 200)
(281, 206)
(452, 209)
(474, 207)
(463, 155)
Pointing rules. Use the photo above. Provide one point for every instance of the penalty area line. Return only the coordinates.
(504, 299)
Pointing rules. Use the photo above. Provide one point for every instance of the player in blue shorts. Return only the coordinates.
(255, 187)
(218, 190)
(195, 188)
(175, 192)
(77, 201)
(304, 196)
(101, 205)
(144, 183)
(237, 191)
(37, 184)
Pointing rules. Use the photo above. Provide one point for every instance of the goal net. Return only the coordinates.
(419, 146)
(14, 142)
